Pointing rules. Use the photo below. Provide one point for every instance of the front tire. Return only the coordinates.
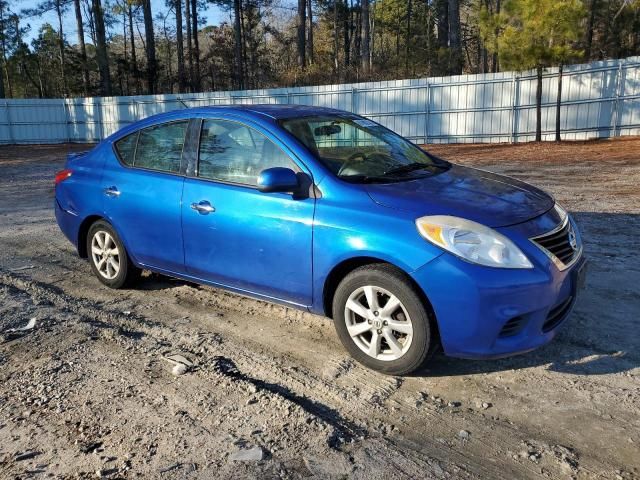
(108, 257)
(382, 321)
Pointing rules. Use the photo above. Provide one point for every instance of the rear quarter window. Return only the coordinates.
(126, 148)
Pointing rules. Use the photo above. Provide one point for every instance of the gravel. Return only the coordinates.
(88, 389)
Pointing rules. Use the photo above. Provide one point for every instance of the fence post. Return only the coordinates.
(9, 126)
(354, 100)
(616, 105)
(514, 110)
(67, 119)
(427, 107)
(97, 103)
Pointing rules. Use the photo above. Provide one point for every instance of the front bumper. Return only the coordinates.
(473, 304)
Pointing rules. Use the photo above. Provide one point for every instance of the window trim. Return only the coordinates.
(180, 171)
(295, 167)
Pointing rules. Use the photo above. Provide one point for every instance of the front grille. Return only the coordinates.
(557, 314)
(561, 243)
(512, 327)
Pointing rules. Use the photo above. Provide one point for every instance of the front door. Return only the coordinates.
(237, 236)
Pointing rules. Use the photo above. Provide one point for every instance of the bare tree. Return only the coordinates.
(101, 48)
(83, 48)
(150, 47)
(237, 48)
(310, 33)
(302, 21)
(366, 38)
(196, 45)
(455, 44)
(177, 5)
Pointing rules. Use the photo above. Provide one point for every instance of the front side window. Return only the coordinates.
(233, 152)
(359, 150)
(160, 147)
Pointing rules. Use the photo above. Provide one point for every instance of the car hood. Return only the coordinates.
(484, 197)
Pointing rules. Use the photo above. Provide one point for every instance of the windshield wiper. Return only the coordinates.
(410, 167)
(359, 178)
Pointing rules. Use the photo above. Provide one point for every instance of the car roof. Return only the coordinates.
(274, 111)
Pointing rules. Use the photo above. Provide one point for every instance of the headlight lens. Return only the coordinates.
(472, 241)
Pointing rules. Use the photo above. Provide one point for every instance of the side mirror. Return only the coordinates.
(278, 179)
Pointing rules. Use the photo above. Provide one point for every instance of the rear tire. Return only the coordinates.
(394, 335)
(109, 259)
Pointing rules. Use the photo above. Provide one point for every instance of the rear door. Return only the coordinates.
(252, 241)
(143, 194)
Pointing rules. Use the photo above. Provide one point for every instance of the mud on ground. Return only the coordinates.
(89, 392)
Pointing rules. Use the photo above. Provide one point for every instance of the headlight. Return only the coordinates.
(472, 241)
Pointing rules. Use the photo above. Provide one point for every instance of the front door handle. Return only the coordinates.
(203, 207)
(112, 191)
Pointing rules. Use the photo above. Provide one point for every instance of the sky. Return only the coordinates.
(214, 16)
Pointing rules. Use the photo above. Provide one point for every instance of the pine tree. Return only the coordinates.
(534, 34)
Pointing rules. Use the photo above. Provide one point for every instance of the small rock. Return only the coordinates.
(464, 435)
(179, 369)
(454, 404)
(254, 454)
(25, 456)
(486, 405)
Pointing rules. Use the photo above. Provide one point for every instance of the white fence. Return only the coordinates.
(600, 99)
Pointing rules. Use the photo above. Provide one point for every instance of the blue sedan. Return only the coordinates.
(323, 210)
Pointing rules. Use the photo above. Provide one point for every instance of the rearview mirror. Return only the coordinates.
(278, 179)
(327, 130)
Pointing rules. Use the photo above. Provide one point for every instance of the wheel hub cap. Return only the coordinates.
(378, 323)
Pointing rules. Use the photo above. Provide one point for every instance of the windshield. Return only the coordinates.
(359, 150)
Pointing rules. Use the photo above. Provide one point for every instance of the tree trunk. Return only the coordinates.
(196, 45)
(442, 13)
(187, 12)
(179, 45)
(336, 64)
(558, 103)
(63, 74)
(495, 67)
(590, 25)
(407, 40)
(3, 44)
(539, 105)
(237, 50)
(302, 21)
(455, 45)
(83, 48)
(150, 46)
(365, 59)
(347, 36)
(134, 58)
(310, 33)
(102, 54)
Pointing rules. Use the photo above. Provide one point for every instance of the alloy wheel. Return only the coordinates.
(105, 254)
(378, 323)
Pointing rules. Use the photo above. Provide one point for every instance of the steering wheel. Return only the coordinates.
(344, 169)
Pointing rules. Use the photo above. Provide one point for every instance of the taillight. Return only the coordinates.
(62, 175)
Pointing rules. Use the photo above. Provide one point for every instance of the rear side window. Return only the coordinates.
(160, 147)
(126, 148)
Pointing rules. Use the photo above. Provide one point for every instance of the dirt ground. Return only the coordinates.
(89, 392)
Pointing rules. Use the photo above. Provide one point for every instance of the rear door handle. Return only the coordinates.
(203, 207)
(112, 191)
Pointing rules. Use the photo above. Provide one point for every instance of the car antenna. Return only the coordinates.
(182, 102)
